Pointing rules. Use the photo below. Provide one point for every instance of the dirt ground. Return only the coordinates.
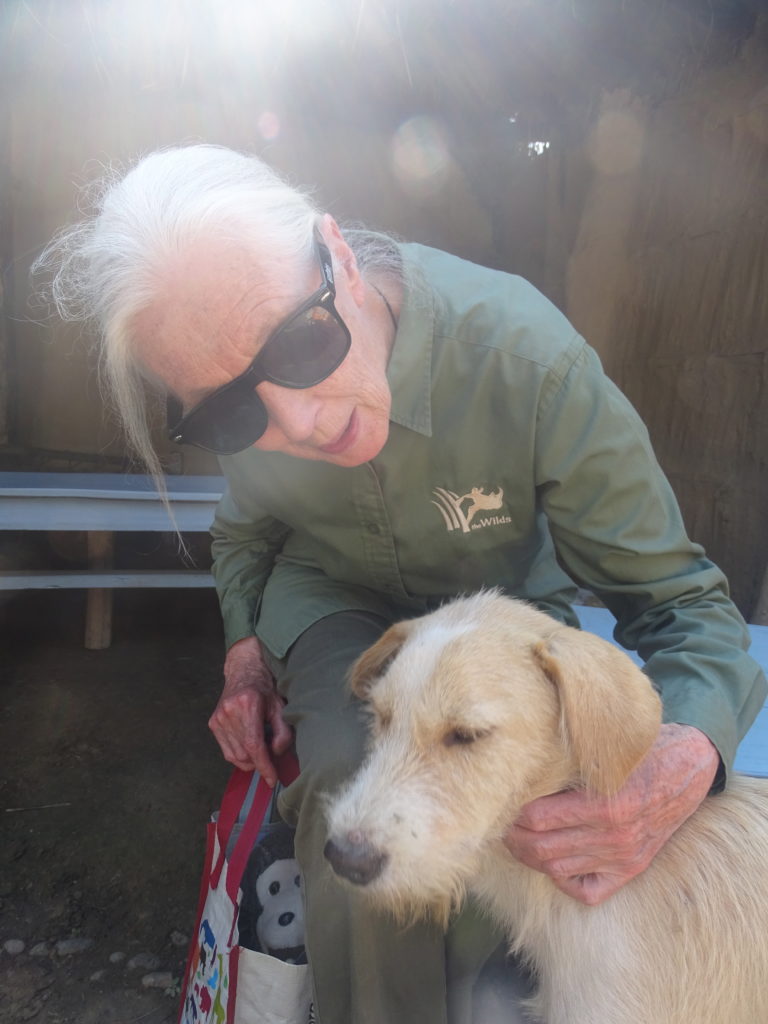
(108, 777)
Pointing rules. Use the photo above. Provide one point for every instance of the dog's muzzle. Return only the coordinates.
(355, 859)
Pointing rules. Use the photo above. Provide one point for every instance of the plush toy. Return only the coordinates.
(271, 918)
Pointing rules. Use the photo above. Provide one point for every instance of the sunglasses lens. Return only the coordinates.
(303, 352)
(306, 350)
(228, 422)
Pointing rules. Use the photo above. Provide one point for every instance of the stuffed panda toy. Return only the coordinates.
(271, 918)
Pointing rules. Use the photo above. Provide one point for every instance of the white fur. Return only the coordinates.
(549, 707)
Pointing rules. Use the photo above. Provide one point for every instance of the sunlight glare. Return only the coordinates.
(268, 124)
(420, 155)
(616, 142)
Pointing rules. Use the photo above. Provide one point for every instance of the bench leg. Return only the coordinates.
(98, 610)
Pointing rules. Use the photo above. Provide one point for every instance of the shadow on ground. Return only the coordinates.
(108, 777)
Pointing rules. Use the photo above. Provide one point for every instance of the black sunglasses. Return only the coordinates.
(304, 350)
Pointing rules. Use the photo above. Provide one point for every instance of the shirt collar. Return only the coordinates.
(409, 372)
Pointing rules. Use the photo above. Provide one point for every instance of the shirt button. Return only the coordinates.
(374, 528)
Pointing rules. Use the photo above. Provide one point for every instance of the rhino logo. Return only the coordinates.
(452, 509)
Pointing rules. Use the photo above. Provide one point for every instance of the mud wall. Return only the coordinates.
(667, 278)
(618, 164)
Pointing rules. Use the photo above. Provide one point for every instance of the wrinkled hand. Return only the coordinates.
(591, 846)
(248, 701)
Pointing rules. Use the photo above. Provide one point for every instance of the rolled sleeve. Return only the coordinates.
(244, 549)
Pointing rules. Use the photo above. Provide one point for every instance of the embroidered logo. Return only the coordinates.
(458, 516)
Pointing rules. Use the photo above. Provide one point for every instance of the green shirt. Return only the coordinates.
(507, 444)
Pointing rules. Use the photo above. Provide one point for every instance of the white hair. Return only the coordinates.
(108, 268)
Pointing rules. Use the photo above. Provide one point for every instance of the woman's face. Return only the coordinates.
(220, 304)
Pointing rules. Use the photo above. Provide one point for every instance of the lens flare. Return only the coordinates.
(420, 155)
(268, 124)
(616, 142)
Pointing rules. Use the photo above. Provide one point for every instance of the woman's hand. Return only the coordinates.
(248, 701)
(590, 846)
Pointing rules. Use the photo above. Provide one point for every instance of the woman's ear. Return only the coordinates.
(372, 663)
(344, 260)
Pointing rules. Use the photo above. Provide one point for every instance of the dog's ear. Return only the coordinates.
(372, 662)
(610, 713)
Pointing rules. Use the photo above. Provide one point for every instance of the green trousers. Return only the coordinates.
(366, 968)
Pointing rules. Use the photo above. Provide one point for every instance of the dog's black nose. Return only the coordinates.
(358, 862)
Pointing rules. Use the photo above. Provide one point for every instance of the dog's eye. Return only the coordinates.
(463, 737)
(274, 888)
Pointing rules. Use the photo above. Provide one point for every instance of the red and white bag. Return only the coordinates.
(225, 983)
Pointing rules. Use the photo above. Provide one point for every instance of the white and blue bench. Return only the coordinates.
(752, 755)
(101, 504)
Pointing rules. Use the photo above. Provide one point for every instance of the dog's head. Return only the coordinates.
(476, 709)
(490, 663)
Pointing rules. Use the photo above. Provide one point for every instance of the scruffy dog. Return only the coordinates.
(487, 704)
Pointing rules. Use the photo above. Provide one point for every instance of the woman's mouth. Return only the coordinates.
(345, 440)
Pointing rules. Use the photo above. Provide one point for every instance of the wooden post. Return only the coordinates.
(8, 383)
(98, 610)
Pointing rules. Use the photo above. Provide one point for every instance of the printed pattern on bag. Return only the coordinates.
(209, 981)
(225, 982)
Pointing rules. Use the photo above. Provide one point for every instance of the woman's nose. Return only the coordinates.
(292, 412)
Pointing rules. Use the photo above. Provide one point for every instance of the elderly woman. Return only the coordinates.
(397, 426)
